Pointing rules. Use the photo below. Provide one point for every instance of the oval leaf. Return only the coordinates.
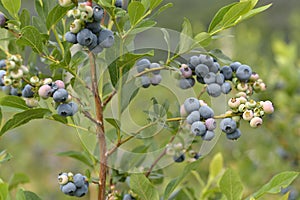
(279, 181)
(136, 11)
(23, 117)
(13, 102)
(12, 6)
(56, 14)
(30, 36)
(231, 185)
(143, 187)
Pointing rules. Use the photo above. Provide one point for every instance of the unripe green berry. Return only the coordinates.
(7, 80)
(75, 26)
(242, 108)
(242, 99)
(16, 74)
(242, 87)
(47, 81)
(250, 104)
(248, 115)
(34, 80)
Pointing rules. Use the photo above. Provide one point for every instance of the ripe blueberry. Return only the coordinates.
(27, 91)
(60, 95)
(228, 125)
(191, 104)
(198, 128)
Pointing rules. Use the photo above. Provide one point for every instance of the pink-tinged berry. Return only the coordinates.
(256, 122)
(45, 91)
(242, 99)
(248, 115)
(183, 112)
(185, 71)
(234, 103)
(263, 86)
(60, 84)
(254, 76)
(202, 103)
(211, 124)
(268, 107)
(241, 94)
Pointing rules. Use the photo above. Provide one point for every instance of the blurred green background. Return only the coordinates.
(268, 42)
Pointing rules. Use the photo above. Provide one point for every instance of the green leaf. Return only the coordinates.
(81, 156)
(16, 179)
(3, 191)
(13, 102)
(231, 185)
(56, 14)
(186, 35)
(143, 187)
(129, 91)
(136, 11)
(31, 196)
(23, 118)
(20, 195)
(203, 38)
(154, 4)
(220, 56)
(163, 8)
(255, 11)
(12, 6)
(175, 182)
(219, 16)
(235, 12)
(115, 123)
(30, 36)
(279, 181)
(143, 25)
(25, 18)
(4, 156)
(215, 166)
(39, 24)
(60, 118)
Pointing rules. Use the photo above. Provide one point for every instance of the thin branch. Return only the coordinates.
(159, 158)
(108, 99)
(202, 91)
(112, 150)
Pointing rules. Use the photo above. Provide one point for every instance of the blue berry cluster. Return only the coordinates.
(147, 79)
(201, 118)
(86, 29)
(60, 95)
(73, 185)
(206, 71)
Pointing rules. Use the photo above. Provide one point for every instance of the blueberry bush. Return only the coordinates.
(140, 98)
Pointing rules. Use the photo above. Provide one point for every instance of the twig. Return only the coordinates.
(159, 157)
(107, 100)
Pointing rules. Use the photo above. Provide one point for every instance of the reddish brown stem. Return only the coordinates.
(99, 129)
